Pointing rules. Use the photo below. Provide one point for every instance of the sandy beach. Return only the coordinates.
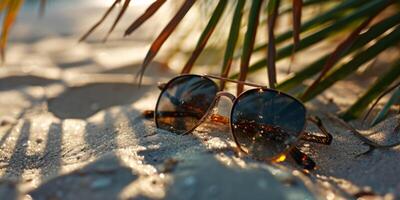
(71, 127)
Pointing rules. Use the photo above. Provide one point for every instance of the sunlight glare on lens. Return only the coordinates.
(281, 158)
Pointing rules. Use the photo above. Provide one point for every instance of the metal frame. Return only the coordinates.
(163, 86)
(287, 150)
(298, 156)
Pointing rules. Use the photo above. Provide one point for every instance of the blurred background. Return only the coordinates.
(45, 40)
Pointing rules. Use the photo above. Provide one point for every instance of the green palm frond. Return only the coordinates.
(394, 99)
(232, 40)
(205, 35)
(249, 41)
(383, 82)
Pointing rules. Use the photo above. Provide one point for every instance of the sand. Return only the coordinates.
(71, 128)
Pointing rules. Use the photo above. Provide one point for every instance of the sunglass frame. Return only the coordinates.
(234, 100)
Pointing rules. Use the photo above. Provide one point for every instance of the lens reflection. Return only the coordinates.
(266, 122)
(183, 102)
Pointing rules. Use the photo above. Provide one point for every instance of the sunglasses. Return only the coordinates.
(265, 123)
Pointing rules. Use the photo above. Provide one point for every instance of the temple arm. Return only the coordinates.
(325, 138)
(302, 159)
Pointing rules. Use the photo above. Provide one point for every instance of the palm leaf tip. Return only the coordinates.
(12, 8)
(151, 10)
(120, 14)
(97, 24)
(297, 12)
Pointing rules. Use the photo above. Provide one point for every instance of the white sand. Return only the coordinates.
(71, 129)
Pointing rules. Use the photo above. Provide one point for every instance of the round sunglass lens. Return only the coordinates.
(266, 123)
(183, 103)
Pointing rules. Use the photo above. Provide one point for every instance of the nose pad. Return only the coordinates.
(220, 113)
(223, 106)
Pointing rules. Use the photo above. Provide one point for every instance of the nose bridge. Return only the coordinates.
(210, 109)
(217, 99)
(226, 94)
(230, 96)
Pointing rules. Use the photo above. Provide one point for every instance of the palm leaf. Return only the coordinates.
(4, 4)
(205, 35)
(317, 21)
(322, 34)
(153, 8)
(361, 58)
(383, 82)
(373, 32)
(379, 98)
(94, 27)
(305, 3)
(273, 7)
(120, 14)
(393, 99)
(163, 36)
(340, 49)
(296, 14)
(232, 40)
(249, 41)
